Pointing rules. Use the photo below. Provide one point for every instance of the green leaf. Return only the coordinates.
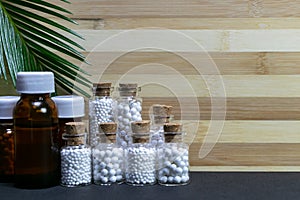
(29, 45)
(70, 73)
(39, 8)
(53, 57)
(24, 21)
(14, 9)
(64, 49)
(49, 5)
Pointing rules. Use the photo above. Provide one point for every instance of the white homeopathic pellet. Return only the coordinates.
(75, 166)
(173, 164)
(100, 110)
(108, 162)
(128, 110)
(140, 164)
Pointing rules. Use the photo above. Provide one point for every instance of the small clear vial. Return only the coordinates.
(101, 109)
(129, 108)
(108, 157)
(75, 157)
(173, 157)
(35, 123)
(7, 103)
(140, 155)
(70, 109)
(159, 115)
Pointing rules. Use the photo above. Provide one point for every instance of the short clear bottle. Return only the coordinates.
(7, 103)
(140, 155)
(129, 108)
(75, 157)
(173, 157)
(101, 109)
(108, 157)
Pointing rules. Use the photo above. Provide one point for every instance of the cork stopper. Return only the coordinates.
(128, 85)
(140, 131)
(74, 140)
(140, 126)
(128, 89)
(108, 130)
(75, 128)
(75, 133)
(160, 114)
(162, 110)
(102, 89)
(172, 132)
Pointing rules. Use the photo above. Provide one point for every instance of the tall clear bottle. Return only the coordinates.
(173, 157)
(101, 109)
(7, 103)
(35, 123)
(129, 108)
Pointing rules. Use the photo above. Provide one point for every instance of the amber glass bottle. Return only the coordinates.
(35, 123)
(7, 103)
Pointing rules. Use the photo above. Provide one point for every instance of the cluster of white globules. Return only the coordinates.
(108, 161)
(173, 164)
(157, 138)
(100, 110)
(128, 110)
(76, 166)
(140, 165)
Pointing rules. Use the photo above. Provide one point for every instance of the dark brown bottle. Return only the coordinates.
(35, 123)
(7, 103)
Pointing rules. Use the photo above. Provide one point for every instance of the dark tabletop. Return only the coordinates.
(204, 185)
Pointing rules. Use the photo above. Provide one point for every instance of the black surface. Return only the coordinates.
(206, 185)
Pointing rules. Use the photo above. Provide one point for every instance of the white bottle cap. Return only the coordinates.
(35, 82)
(7, 104)
(69, 106)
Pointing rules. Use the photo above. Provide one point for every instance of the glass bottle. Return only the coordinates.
(108, 157)
(173, 157)
(35, 123)
(7, 103)
(140, 155)
(159, 115)
(70, 109)
(75, 157)
(101, 109)
(129, 108)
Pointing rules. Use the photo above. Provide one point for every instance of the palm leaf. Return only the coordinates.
(29, 44)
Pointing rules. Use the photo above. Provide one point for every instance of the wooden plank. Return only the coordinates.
(182, 8)
(250, 108)
(184, 23)
(246, 131)
(248, 154)
(228, 63)
(178, 85)
(191, 40)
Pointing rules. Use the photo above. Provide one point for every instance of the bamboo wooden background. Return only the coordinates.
(256, 47)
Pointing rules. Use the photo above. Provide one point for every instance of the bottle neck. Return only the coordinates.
(63, 121)
(74, 140)
(140, 137)
(35, 96)
(6, 121)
